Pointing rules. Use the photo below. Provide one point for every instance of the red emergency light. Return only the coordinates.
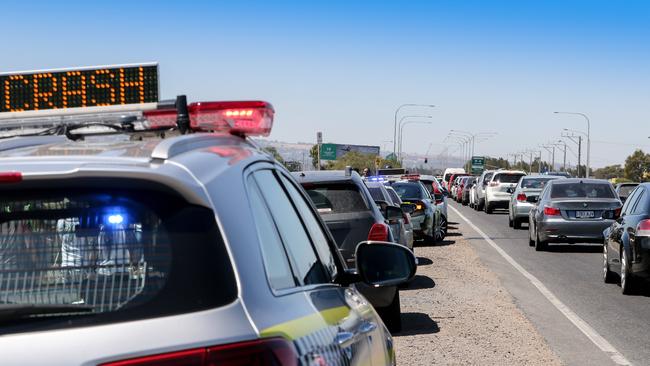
(249, 118)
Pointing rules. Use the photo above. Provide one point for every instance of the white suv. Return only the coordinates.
(499, 188)
(479, 199)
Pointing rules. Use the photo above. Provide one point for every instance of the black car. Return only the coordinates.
(426, 219)
(623, 190)
(627, 242)
(349, 211)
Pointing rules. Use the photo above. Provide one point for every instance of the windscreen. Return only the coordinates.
(625, 190)
(507, 177)
(535, 183)
(582, 190)
(91, 252)
(408, 191)
(336, 198)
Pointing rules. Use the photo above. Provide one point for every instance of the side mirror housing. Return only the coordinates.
(408, 208)
(393, 213)
(384, 264)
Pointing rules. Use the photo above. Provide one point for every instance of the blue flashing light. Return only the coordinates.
(375, 179)
(115, 219)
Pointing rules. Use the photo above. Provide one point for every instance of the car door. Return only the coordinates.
(638, 212)
(345, 316)
(615, 241)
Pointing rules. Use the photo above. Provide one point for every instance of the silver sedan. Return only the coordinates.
(524, 197)
(572, 210)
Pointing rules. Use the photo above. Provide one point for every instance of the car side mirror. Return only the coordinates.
(382, 264)
(393, 213)
(408, 208)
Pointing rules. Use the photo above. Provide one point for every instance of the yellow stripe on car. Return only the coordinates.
(300, 327)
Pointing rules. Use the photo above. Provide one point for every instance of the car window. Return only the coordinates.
(394, 197)
(376, 193)
(631, 200)
(408, 191)
(534, 183)
(275, 257)
(487, 178)
(582, 190)
(122, 251)
(302, 256)
(641, 203)
(507, 177)
(319, 238)
(336, 198)
(625, 190)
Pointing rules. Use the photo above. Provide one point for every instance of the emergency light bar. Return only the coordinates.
(241, 118)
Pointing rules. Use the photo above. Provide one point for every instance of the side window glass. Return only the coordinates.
(313, 226)
(292, 232)
(640, 205)
(629, 203)
(275, 257)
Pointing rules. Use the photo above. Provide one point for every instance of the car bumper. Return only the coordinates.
(521, 210)
(562, 231)
(422, 225)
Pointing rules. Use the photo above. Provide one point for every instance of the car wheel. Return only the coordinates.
(391, 315)
(539, 245)
(488, 208)
(443, 226)
(531, 242)
(627, 281)
(608, 276)
(516, 223)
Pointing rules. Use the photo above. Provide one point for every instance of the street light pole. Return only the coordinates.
(395, 122)
(398, 152)
(588, 137)
(401, 135)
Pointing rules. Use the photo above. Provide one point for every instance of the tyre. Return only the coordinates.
(608, 276)
(531, 242)
(516, 223)
(539, 245)
(488, 208)
(510, 222)
(391, 315)
(443, 225)
(627, 281)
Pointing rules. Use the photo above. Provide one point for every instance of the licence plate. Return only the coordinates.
(584, 214)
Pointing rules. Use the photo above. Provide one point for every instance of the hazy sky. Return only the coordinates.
(342, 67)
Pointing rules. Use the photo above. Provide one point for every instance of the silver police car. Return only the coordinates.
(137, 242)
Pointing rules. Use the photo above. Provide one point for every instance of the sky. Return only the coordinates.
(343, 67)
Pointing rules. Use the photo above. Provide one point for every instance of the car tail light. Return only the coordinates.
(11, 177)
(617, 213)
(493, 184)
(271, 351)
(643, 228)
(407, 218)
(521, 197)
(378, 232)
(250, 118)
(551, 211)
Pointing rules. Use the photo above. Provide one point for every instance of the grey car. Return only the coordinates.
(524, 197)
(131, 248)
(572, 210)
(402, 228)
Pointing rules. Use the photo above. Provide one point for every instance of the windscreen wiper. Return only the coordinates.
(18, 311)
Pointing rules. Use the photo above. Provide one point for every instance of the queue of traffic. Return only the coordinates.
(559, 209)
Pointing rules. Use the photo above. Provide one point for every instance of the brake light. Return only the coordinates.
(378, 232)
(643, 228)
(250, 118)
(411, 176)
(271, 351)
(617, 212)
(521, 197)
(551, 211)
(407, 218)
(11, 177)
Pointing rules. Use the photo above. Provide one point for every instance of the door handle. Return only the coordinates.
(367, 327)
(345, 339)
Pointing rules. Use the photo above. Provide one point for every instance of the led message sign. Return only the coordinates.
(75, 88)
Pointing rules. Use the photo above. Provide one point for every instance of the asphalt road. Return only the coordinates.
(572, 273)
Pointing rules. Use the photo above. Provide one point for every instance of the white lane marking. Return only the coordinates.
(585, 328)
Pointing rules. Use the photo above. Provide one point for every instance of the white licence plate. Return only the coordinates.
(584, 214)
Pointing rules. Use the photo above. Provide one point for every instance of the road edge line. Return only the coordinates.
(583, 326)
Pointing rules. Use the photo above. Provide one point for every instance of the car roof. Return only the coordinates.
(578, 180)
(326, 176)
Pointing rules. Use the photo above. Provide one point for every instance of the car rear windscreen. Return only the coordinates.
(625, 190)
(507, 177)
(408, 191)
(90, 252)
(582, 190)
(376, 193)
(535, 183)
(330, 198)
(396, 200)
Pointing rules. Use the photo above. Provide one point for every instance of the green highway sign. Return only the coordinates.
(328, 151)
(478, 164)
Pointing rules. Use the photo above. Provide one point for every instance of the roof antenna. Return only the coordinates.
(182, 116)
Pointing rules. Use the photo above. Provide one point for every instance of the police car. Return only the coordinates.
(160, 234)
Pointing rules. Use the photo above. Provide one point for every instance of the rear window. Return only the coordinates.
(336, 198)
(447, 176)
(376, 193)
(92, 252)
(535, 183)
(582, 190)
(408, 191)
(626, 190)
(428, 184)
(394, 197)
(507, 178)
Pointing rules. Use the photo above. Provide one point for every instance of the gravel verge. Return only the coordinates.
(456, 312)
